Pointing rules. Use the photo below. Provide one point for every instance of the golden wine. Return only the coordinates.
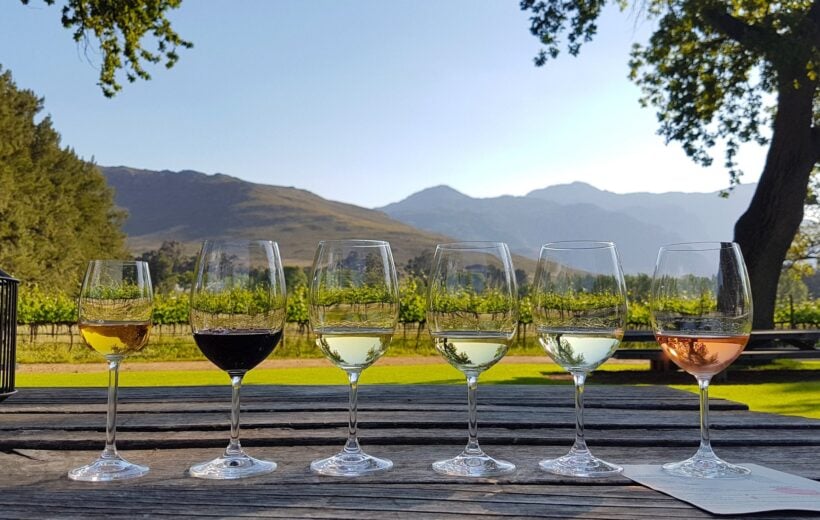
(702, 355)
(115, 338)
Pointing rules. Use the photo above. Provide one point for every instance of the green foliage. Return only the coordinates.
(708, 67)
(171, 309)
(39, 307)
(36, 307)
(723, 73)
(56, 211)
(237, 301)
(170, 267)
(297, 311)
(120, 26)
(413, 307)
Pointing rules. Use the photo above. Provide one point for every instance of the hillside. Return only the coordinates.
(189, 207)
(639, 223)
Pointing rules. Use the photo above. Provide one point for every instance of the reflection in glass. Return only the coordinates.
(579, 310)
(115, 309)
(701, 311)
(354, 309)
(238, 305)
(472, 315)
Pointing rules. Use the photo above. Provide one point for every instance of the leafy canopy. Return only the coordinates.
(709, 69)
(56, 210)
(120, 27)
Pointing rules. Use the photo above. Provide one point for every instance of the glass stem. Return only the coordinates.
(234, 448)
(705, 448)
(472, 416)
(352, 444)
(110, 451)
(580, 443)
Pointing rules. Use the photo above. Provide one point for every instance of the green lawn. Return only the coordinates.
(788, 398)
(406, 374)
(801, 398)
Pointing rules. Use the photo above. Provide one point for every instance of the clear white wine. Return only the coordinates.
(580, 350)
(353, 348)
(472, 351)
(115, 338)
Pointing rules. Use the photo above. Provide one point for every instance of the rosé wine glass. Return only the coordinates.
(701, 311)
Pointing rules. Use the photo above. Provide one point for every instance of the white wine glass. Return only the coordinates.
(472, 315)
(353, 310)
(238, 308)
(701, 312)
(580, 312)
(115, 306)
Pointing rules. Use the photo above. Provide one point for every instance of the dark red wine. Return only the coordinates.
(236, 350)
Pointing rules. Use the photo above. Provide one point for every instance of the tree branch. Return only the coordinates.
(748, 36)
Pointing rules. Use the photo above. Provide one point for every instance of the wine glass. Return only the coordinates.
(353, 310)
(114, 319)
(472, 315)
(701, 311)
(579, 311)
(238, 307)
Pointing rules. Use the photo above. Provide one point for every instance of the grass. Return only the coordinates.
(800, 398)
(389, 374)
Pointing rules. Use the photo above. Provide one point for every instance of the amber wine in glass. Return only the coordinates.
(115, 308)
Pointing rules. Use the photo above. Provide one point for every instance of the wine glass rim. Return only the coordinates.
(117, 260)
(238, 241)
(564, 245)
(698, 246)
(354, 242)
(477, 244)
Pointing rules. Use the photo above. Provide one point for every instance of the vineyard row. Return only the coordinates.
(37, 308)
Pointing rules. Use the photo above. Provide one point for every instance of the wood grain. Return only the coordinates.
(46, 432)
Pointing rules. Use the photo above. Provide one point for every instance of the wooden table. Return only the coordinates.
(45, 432)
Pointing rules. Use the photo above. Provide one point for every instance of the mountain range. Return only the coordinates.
(189, 206)
(639, 223)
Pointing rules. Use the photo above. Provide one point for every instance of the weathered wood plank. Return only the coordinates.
(508, 417)
(46, 432)
(411, 489)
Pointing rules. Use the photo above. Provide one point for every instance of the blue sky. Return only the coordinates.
(363, 101)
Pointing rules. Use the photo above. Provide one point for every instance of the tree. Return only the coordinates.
(56, 211)
(120, 26)
(171, 268)
(708, 70)
(419, 266)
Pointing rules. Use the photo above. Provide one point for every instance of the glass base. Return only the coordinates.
(473, 465)
(107, 469)
(705, 467)
(231, 467)
(345, 464)
(579, 463)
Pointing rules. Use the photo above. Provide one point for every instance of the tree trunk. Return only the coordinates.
(766, 230)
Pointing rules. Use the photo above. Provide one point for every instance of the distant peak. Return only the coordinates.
(441, 194)
(440, 189)
(574, 187)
